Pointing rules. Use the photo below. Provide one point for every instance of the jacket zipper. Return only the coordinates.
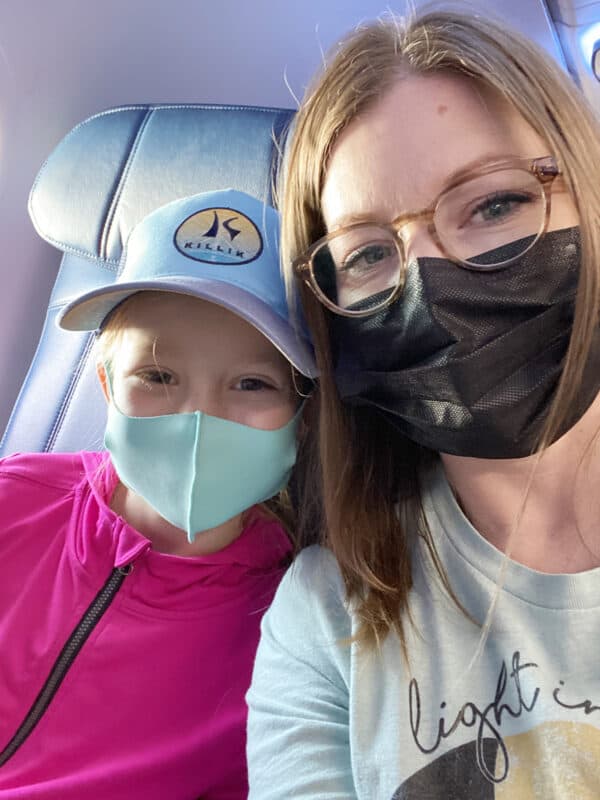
(68, 654)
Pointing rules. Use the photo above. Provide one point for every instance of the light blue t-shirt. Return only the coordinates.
(329, 720)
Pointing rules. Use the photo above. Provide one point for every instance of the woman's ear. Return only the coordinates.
(102, 377)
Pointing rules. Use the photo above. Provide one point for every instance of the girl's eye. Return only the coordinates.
(156, 376)
(253, 385)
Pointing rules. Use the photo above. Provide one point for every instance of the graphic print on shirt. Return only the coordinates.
(554, 759)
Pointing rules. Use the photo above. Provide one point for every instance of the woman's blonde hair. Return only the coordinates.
(369, 473)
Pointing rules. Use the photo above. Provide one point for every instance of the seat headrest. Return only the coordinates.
(118, 166)
(101, 180)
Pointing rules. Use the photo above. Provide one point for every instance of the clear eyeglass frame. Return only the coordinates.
(545, 169)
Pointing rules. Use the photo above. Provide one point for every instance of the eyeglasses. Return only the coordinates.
(485, 220)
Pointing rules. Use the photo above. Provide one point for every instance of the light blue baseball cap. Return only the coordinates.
(220, 246)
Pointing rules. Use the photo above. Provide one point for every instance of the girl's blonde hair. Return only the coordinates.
(370, 474)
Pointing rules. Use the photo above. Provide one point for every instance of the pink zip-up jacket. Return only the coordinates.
(147, 700)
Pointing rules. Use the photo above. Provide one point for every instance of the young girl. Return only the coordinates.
(441, 210)
(134, 580)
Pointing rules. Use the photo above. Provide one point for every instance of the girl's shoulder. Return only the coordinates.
(52, 470)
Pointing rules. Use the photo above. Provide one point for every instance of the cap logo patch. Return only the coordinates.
(219, 236)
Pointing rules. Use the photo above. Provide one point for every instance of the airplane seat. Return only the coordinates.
(103, 178)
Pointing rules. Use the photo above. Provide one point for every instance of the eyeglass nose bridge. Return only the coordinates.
(398, 227)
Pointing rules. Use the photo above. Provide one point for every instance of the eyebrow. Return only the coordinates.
(353, 219)
(164, 355)
(268, 363)
(451, 180)
(481, 161)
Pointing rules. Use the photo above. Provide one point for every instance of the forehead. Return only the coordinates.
(180, 323)
(402, 151)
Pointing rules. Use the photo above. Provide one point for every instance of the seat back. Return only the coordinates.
(105, 176)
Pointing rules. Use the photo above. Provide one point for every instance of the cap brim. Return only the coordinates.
(88, 311)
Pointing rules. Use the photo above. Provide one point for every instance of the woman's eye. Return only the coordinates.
(366, 257)
(499, 207)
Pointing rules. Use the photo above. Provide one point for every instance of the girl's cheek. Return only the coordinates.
(143, 401)
(275, 416)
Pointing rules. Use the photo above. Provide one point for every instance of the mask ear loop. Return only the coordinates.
(306, 380)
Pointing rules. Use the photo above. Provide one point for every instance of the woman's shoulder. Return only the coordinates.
(311, 596)
(315, 569)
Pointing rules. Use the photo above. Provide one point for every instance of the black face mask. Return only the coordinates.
(468, 362)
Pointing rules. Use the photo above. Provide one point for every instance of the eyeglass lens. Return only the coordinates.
(482, 223)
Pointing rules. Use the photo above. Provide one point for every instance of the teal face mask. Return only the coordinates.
(195, 470)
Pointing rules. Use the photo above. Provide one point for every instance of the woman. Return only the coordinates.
(441, 213)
